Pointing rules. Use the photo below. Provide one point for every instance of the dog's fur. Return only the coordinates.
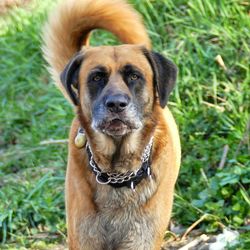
(101, 216)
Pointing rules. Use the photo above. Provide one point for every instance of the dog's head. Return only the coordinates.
(118, 86)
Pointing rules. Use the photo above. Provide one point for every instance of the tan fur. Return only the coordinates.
(100, 216)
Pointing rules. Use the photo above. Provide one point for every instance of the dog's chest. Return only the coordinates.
(121, 222)
(126, 228)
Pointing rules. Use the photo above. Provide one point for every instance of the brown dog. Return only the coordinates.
(120, 183)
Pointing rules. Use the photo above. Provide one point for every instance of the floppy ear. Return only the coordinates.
(69, 76)
(165, 74)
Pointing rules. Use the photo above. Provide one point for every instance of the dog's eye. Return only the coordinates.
(97, 78)
(133, 77)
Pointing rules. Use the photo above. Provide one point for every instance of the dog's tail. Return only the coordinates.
(70, 24)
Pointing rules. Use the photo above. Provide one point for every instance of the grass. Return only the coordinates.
(211, 106)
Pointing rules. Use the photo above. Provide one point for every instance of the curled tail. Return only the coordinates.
(70, 24)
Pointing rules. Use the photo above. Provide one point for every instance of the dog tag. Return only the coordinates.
(80, 140)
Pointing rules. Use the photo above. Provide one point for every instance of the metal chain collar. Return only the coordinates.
(116, 177)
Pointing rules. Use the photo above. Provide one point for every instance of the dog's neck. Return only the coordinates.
(118, 154)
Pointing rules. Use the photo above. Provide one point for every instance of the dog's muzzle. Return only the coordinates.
(116, 116)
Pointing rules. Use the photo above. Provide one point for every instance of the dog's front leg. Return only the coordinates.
(82, 219)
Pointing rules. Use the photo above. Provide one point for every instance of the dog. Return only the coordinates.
(124, 148)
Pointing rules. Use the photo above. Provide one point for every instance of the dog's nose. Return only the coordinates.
(117, 103)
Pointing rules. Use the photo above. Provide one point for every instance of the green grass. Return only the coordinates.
(211, 107)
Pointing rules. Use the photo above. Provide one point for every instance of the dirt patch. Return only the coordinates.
(203, 241)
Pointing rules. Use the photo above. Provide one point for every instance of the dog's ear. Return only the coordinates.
(69, 76)
(165, 74)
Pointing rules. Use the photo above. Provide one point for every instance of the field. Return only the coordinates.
(211, 104)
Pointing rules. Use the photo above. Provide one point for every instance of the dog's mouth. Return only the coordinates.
(117, 127)
(116, 124)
